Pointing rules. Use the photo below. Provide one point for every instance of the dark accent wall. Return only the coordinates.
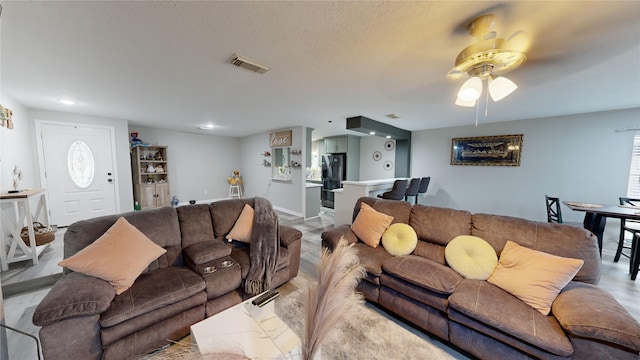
(403, 158)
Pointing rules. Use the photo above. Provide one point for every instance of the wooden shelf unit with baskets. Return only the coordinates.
(150, 189)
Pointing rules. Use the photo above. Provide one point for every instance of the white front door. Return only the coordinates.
(79, 171)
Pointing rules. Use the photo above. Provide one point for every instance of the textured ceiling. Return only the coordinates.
(164, 64)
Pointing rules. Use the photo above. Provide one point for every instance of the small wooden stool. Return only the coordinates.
(235, 191)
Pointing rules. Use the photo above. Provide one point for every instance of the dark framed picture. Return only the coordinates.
(499, 150)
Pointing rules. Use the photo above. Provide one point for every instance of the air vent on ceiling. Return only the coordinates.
(249, 64)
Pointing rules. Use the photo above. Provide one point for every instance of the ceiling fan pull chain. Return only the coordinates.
(486, 104)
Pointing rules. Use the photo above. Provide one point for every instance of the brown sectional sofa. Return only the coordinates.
(487, 322)
(83, 318)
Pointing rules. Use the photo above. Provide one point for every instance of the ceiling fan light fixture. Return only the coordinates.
(471, 89)
(465, 103)
(500, 87)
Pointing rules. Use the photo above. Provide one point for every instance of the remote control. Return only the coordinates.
(265, 298)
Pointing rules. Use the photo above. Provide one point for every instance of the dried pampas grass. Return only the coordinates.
(330, 301)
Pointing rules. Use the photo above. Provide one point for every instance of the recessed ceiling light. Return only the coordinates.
(388, 136)
(392, 116)
(206, 127)
(372, 132)
(67, 102)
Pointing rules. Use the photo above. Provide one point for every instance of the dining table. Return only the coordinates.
(596, 215)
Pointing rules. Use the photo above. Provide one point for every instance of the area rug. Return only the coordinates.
(368, 335)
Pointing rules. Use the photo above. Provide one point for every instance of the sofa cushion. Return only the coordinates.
(423, 273)
(206, 251)
(152, 291)
(243, 227)
(372, 259)
(195, 223)
(471, 257)
(76, 294)
(114, 334)
(160, 225)
(574, 308)
(400, 210)
(370, 225)
(225, 213)
(399, 239)
(533, 276)
(439, 225)
(427, 250)
(119, 256)
(485, 307)
(556, 239)
(419, 294)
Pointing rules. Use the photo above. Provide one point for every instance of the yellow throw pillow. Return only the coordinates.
(399, 239)
(533, 276)
(370, 225)
(471, 257)
(243, 227)
(119, 256)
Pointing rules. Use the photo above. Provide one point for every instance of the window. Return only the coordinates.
(80, 164)
(633, 188)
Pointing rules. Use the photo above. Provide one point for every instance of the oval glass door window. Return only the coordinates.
(80, 164)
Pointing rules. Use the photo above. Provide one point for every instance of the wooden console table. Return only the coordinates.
(21, 203)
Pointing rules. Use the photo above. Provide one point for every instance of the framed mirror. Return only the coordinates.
(281, 160)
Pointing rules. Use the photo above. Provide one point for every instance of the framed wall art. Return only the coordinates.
(499, 150)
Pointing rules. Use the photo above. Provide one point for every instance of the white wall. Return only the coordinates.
(17, 147)
(121, 139)
(199, 165)
(287, 196)
(577, 157)
(369, 168)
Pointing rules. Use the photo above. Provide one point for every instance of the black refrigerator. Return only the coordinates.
(334, 170)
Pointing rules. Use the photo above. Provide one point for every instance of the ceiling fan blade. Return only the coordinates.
(518, 41)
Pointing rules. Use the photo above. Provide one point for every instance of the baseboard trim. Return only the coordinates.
(30, 285)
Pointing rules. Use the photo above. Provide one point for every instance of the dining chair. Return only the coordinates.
(397, 191)
(635, 256)
(631, 226)
(424, 184)
(412, 190)
(554, 213)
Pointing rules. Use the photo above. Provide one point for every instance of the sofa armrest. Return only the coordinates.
(330, 238)
(74, 295)
(586, 311)
(205, 251)
(288, 235)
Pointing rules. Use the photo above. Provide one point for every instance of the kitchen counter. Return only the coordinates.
(312, 199)
(346, 199)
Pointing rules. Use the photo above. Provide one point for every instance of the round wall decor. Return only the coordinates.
(389, 145)
(377, 155)
(388, 165)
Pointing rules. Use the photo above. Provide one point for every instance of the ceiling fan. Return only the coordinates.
(487, 59)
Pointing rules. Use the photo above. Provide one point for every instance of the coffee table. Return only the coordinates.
(256, 332)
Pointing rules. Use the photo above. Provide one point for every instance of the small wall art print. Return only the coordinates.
(500, 150)
(280, 139)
